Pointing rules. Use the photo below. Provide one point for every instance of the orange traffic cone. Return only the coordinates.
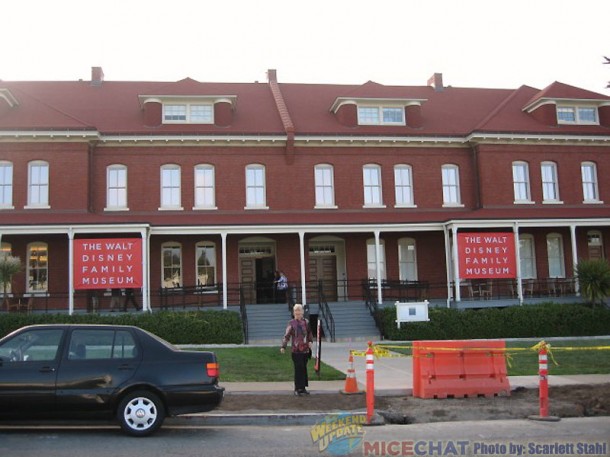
(351, 385)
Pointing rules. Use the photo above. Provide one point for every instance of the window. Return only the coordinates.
(521, 182)
(33, 345)
(6, 185)
(38, 184)
(527, 255)
(188, 113)
(381, 115)
(206, 264)
(6, 250)
(116, 179)
(371, 258)
(577, 115)
(325, 190)
(171, 253)
(170, 187)
(403, 185)
(595, 245)
(371, 175)
(554, 249)
(451, 185)
(407, 259)
(550, 186)
(37, 267)
(590, 191)
(205, 187)
(101, 344)
(255, 187)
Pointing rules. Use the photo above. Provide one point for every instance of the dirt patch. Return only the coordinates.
(564, 401)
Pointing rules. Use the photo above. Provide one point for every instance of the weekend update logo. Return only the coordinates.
(339, 435)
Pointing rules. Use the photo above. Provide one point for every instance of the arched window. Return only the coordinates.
(38, 184)
(171, 197)
(451, 185)
(371, 258)
(325, 187)
(590, 190)
(116, 187)
(206, 263)
(407, 259)
(256, 193)
(554, 249)
(550, 184)
(521, 182)
(37, 267)
(205, 187)
(403, 185)
(371, 176)
(171, 271)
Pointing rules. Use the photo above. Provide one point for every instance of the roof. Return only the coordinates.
(113, 108)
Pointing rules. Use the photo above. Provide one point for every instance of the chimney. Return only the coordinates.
(97, 76)
(272, 76)
(436, 81)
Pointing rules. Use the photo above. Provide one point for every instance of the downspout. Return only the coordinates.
(70, 271)
(90, 187)
(477, 180)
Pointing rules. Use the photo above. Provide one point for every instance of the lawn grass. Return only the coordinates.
(265, 364)
(522, 362)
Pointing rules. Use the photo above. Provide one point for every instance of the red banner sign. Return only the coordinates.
(487, 255)
(108, 263)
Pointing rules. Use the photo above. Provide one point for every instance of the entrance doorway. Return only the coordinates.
(257, 268)
(324, 268)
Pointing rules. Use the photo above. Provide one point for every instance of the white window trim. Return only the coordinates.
(6, 163)
(576, 108)
(459, 203)
(264, 204)
(406, 242)
(597, 201)
(187, 106)
(171, 207)
(205, 167)
(29, 205)
(380, 109)
(404, 205)
(529, 200)
(28, 269)
(558, 200)
(531, 240)
(556, 236)
(109, 168)
(364, 186)
(205, 244)
(171, 245)
(331, 205)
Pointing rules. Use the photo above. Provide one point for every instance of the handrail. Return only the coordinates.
(244, 316)
(372, 306)
(327, 315)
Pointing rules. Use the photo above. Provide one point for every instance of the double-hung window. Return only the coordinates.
(403, 186)
(37, 267)
(590, 189)
(116, 192)
(205, 187)
(577, 115)
(170, 187)
(325, 189)
(371, 175)
(256, 195)
(521, 182)
(554, 248)
(451, 185)
(206, 264)
(6, 185)
(38, 184)
(188, 113)
(550, 184)
(371, 259)
(381, 115)
(171, 253)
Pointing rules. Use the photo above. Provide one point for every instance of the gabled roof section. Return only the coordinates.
(372, 92)
(187, 90)
(563, 92)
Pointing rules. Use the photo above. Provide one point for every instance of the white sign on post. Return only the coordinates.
(411, 312)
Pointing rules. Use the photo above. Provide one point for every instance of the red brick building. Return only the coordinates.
(224, 183)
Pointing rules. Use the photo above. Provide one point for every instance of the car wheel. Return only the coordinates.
(140, 413)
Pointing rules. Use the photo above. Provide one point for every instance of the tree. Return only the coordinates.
(594, 279)
(9, 266)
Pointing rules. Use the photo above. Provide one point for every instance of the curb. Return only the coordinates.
(258, 419)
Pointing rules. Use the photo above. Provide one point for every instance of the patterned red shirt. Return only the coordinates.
(300, 333)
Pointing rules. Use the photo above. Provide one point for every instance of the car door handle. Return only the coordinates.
(47, 370)
(126, 366)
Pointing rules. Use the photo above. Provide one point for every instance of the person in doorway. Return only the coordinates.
(299, 333)
(115, 299)
(130, 297)
(281, 287)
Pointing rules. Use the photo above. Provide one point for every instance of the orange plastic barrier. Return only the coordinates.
(456, 368)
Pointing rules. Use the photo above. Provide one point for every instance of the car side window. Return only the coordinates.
(32, 345)
(95, 344)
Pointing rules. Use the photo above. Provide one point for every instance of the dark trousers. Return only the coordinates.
(299, 359)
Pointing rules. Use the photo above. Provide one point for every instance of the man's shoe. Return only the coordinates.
(297, 393)
(305, 392)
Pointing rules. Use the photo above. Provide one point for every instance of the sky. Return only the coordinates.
(473, 43)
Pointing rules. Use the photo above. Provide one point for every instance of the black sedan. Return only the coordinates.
(103, 371)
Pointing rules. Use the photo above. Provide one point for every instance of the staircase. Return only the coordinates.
(353, 322)
(266, 323)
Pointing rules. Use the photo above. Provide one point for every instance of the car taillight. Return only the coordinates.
(213, 369)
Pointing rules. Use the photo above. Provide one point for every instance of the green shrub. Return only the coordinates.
(529, 321)
(199, 327)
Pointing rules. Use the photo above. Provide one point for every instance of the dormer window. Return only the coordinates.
(381, 115)
(577, 114)
(188, 113)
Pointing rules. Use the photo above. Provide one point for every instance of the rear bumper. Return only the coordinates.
(193, 399)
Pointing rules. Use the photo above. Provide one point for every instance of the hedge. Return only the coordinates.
(198, 327)
(529, 321)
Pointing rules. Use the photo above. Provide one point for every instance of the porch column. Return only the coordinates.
(448, 266)
(302, 258)
(456, 265)
(70, 271)
(378, 267)
(574, 258)
(225, 287)
(144, 234)
(518, 261)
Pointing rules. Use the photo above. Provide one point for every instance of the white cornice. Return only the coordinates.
(193, 140)
(370, 140)
(532, 138)
(49, 135)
